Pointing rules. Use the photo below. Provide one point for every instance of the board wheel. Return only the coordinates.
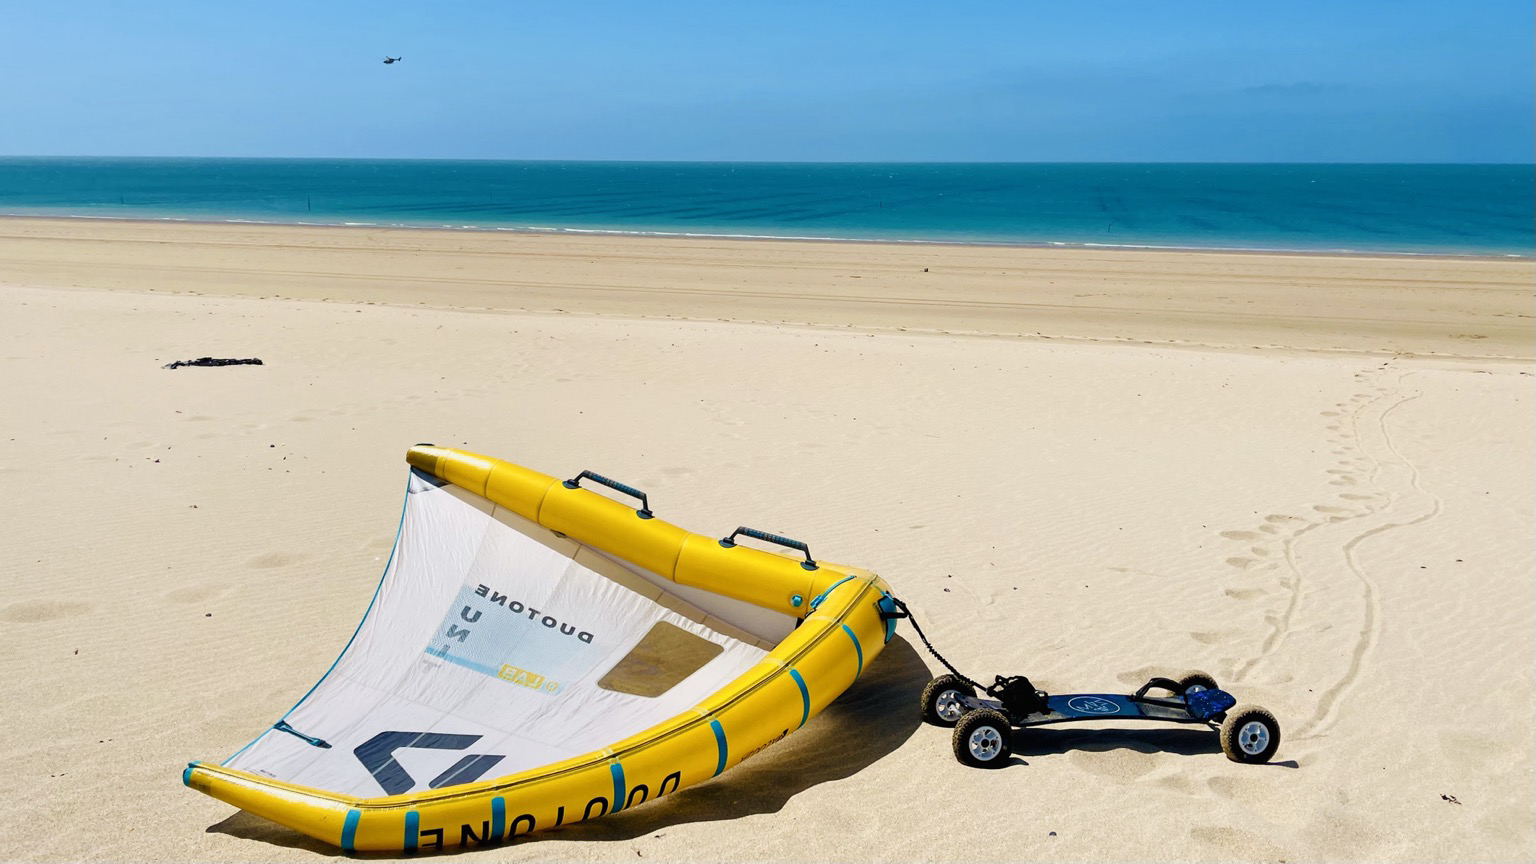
(982, 739)
(941, 700)
(1195, 681)
(1249, 734)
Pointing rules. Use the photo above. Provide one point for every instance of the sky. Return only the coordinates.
(742, 80)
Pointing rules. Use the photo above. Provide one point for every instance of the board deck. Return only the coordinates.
(1096, 706)
(1106, 706)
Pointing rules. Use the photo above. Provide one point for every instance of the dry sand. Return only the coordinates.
(1337, 523)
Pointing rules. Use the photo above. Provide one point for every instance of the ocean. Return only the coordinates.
(1485, 210)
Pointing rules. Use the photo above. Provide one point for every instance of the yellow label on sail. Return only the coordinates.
(531, 680)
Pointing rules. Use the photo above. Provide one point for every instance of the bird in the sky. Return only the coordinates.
(388, 59)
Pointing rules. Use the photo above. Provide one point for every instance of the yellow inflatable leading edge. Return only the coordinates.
(841, 624)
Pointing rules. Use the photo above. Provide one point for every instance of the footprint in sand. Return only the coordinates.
(1243, 791)
(37, 611)
(1226, 838)
(1243, 593)
(1122, 765)
(194, 593)
(273, 559)
(381, 543)
(1475, 751)
(1241, 563)
(1176, 783)
(1324, 508)
(1348, 496)
(1240, 535)
(1282, 519)
(1140, 676)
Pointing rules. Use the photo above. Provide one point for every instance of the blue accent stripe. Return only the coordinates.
(349, 831)
(617, 771)
(719, 742)
(393, 549)
(856, 647)
(817, 601)
(186, 774)
(498, 818)
(467, 664)
(412, 830)
(805, 696)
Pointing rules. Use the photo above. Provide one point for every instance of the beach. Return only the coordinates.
(1307, 475)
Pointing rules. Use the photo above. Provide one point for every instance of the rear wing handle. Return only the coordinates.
(809, 563)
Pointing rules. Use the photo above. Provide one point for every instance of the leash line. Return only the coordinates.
(907, 614)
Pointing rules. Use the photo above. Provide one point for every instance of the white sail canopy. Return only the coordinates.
(494, 646)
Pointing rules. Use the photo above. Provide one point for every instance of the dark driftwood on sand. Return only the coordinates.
(215, 361)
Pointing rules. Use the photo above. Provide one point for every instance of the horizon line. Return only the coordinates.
(1531, 164)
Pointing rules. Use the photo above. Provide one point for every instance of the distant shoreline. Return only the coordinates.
(777, 238)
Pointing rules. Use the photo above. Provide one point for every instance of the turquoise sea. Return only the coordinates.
(1427, 209)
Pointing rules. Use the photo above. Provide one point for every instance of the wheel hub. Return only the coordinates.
(985, 744)
(1253, 737)
(948, 705)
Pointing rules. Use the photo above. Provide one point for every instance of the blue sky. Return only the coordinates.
(1339, 81)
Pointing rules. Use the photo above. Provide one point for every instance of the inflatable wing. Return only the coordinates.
(537, 654)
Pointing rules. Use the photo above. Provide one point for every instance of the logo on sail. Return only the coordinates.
(531, 680)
